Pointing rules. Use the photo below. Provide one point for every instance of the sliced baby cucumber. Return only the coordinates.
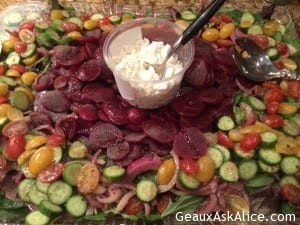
(225, 123)
(146, 190)
(36, 218)
(114, 173)
(49, 209)
(187, 181)
(76, 206)
(229, 172)
(20, 100)
(71, 171)
(59, 192)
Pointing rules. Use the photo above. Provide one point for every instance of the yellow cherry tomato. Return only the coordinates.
(4, 109)
(245, 24)
(206, 168)
(9, 45)
(3, 89)
(14, 114)
(237, 204)
(40, 159)
(75, 35)
(166, 171)
(107, 28)
(226, 30)
(57, 14)
(211, 34)
(289, 64)
(35, 142)
(26, 90)
(270, 28)
(235, 135)
(25, 156)
(29, 61)
(12, 73)
(284, 86)
(90, 24)
(27, 36)
(286, 108)
(28, 77)
(287, 146)
(88, 178)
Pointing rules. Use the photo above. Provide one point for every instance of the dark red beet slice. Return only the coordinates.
(223, 57)
(55, 101)
(96, 34)
(66, 55)
(44, 81)
(118, 151)
(116, 112)
(89, 70)
(102, 116)
(104, 134)
(159, 149)
(210, 96)
(136, 116)
(169, 114)
(74, 85)
(60, 82)
(135, 137)
(39, 119)
(163, 132)
(136, 151)
(67, 125)
(98, 93)
(87, 112)
(90, 49)
(190, 143)
(202, 122)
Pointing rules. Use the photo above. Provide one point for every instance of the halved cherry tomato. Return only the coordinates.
(29, 25)
(279, 64)
(84, 17)
(40, 159)
(104, 21)
(55, 140)
(250, 142)
(216, 20)
(163, 202)
(273, 95)
(224, 43)
(272, 107)
(2, 69)
(224, 140)
(261, 40)
(237, 204)
(273, 121)
(293, 89)
(15, 146)
(70, 26)
(206, 168)
(18, 67)
(189, 166)
(225, 18)
(282, 48)
(20, 47)
(51, 173)
(166, 171)
(270, 85)
(3, 99)
(291, 193)
(134, 206)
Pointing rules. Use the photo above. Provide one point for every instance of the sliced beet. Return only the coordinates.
(74, 85)
(102, 116)
(96, 34)
(66, 55)
(136, 151)
(169, 114)
(90, 49)
(98, 93)
(163, 132)
(116, 112)
(190, 143)
(85, 111)
(84, 126)
(44, 81)
(104, 134)
(210, 96)
(223, 57)
(136, 115)
(67, 125)
(89, 70)
(39, 119)
(202, 122)
(135, 137)
(60, 82)
(118, 151)
(159, 149)
(56, 101)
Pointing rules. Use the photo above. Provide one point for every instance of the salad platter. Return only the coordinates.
(73, 151)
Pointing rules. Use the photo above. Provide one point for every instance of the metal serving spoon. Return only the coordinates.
(189, 33)
(257, 66)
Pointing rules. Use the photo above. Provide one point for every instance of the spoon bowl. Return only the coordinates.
(255, 64)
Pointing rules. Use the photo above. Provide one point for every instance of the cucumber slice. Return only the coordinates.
(255, 29)
(97, 16)
(296, 119)
(272, 53)
(247, 20)
(256, 103)
(268, 139)
(51, 36)
(260, 180)
(36, 196)
(41, 26)
(36, 218)
(3, 122)
(9, 81)
(225, 123)
(187, 181)
(146, 190)
(216, 156)
(224, 150)
(288, 180)
(30, 51)
(272, 42)
(290, 164)
(13, 58)
(76, 206)
(71, 171)
(58, 154)
(269, 156)
(239, 153)
(77, 150)
(247, 169)
(59, 192)
(42, 187)
(127, 16)
(188, 15)
(277, 37)
(290, 128)
(282, 29)
(13, 19)
(57, 25)
(20, 100)
(268, 168)
(49, 209)
(114, 19)
(77, 21)
(23, 189)
(114, 173)
(229, 172)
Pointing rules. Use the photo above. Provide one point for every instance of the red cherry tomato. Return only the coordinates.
(282, 48)
(189, 166)
(216, 20)
(51, 173)
(134, 206)
(15, 146)
(163, 202)
(20, 47)
(261, 40)
(279, 64)
(2, 69)
(104, 21)
(18, 67)
(250, 142)
(273, 121)
(3, 99)
(84, 17)
(225, 18)
(273, 95)
(29, 25)
(270, 85)
(224, 140)
(291, 193)
(70, 26)
(272, 107)
(55, 140)
(294, 89)
(224, 43)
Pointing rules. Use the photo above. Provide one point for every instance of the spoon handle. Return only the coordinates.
(286, 74)
(201, 20)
